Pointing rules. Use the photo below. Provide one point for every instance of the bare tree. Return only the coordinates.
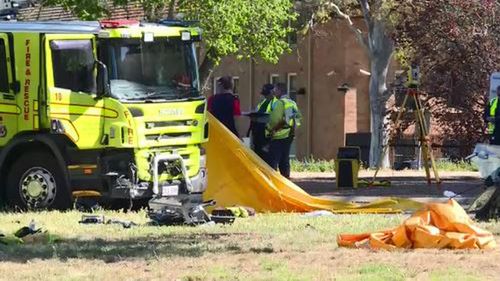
(379, 46)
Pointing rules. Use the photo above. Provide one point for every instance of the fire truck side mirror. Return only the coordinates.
(102, 82)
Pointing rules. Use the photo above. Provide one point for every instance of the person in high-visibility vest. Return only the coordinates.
(260, 142)
(284, 119)
(492, 117)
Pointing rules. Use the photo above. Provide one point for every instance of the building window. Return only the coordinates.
(73, 64)
(236, 85)
(274, 79)
(291, 85)
(215, 84)
(4, 78)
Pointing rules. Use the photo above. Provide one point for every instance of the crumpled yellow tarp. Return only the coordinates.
(238, 177)
(438, 225)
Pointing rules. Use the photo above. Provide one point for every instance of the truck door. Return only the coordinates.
(9, 110)
(74, 109)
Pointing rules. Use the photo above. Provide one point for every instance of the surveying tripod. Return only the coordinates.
(427, 156)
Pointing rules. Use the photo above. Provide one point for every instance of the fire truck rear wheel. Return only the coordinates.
(37, 182)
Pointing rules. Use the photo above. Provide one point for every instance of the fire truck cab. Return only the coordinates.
(111, 108)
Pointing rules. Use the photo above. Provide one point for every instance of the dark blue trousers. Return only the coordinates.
(279, 155)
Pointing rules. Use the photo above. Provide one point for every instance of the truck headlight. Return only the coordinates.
(149, 37)
(185, 35)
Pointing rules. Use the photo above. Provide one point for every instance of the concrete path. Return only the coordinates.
(406, 184)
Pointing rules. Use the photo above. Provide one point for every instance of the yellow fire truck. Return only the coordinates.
(112, 108)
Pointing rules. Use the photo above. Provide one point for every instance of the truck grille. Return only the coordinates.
(167, 136)
(161, 124)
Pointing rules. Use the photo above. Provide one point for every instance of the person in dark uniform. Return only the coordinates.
(258, 123)
(224, 105)
(492, 117)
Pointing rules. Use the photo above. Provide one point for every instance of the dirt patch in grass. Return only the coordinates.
(316, 264)
(267, 247)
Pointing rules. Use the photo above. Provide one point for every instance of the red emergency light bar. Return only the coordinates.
(117, 23)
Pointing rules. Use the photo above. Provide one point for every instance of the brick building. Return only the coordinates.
(322, 61)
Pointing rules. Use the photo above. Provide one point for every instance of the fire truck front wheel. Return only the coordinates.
(37, 182)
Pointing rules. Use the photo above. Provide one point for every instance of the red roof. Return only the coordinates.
(133, 10)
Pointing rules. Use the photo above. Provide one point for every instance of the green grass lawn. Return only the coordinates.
(316, 166)
(265, 247)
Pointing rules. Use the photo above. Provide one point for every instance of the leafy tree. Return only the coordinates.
(246, 28)
(456, 43)
(83, 9)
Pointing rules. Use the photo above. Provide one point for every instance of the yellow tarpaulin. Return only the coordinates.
(438, 225)
(237, 176)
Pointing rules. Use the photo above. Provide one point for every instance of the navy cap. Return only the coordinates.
(267, 89)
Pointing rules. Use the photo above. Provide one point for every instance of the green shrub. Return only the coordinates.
(456, 166)
(312, 165)
(320, 166)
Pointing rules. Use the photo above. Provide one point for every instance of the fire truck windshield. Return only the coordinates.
(159, 70)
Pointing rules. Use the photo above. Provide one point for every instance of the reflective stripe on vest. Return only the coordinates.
(291, 111)
(493, 109)
(270, 105)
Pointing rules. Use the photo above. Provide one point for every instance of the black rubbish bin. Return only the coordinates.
(347, 167)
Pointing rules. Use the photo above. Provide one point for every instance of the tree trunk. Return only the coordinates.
(378, 99)
(171, 9)
(381, 48)
(206, 69)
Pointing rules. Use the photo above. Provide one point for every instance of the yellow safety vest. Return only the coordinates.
(291, 117)
(270, 105)
(292, 114)
(493, 109)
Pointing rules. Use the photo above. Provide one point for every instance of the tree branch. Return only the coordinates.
(365, 8)
(206, 68)
(171, 9)
(370, 25)
(357, 32)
